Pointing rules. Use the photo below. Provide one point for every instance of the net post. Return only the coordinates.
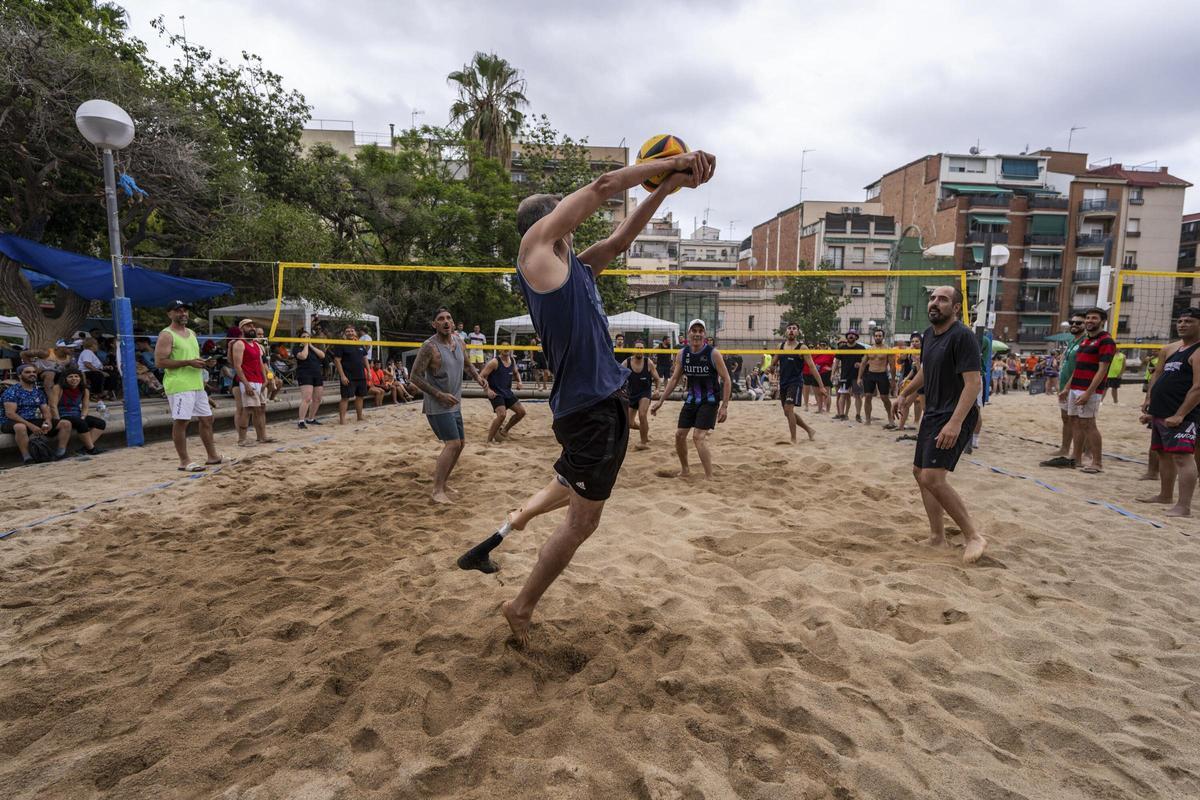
(1115, 305)
(278, 302)
(962, 285)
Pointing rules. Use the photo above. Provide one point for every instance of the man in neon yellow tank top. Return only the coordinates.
(177, 354)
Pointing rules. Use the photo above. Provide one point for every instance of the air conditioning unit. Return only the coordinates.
(856, 291)
(847, 209)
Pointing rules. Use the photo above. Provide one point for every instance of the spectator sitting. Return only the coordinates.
(25, 412)
(149, 382)
(70, 400)
(92, 368)
(375, 380)
(399, 382)
(227, 377)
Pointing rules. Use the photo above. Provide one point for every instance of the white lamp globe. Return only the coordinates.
(104, 124)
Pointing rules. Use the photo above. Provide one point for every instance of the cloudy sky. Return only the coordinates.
(867, 86)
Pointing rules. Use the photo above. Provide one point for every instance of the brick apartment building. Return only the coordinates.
(1054, 214)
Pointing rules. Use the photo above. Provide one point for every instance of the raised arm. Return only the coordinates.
(602, 253)
(537, 259)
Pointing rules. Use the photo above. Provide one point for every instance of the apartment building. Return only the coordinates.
(657, 247)
(775, 244)
(1054, 213)
(1188, 293)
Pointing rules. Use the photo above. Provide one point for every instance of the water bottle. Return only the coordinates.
(103, 409)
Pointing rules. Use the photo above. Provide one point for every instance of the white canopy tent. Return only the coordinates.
(625, 321)
(294, 314)
(12, 330)
(946, 250)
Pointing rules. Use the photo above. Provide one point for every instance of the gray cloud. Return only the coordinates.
(869, 85)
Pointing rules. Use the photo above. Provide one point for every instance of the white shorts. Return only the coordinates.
(1086, 411)
(189, 405)
(253, 398)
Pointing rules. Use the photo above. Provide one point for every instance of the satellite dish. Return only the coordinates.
(974, 150)
(753, 262)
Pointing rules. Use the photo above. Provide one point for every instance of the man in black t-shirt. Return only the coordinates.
(949, 374)
(350, 360)
(847, 381)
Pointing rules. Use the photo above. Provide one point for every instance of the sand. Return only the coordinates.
(293, 626)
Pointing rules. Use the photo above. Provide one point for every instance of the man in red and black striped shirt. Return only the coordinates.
(1086, 390)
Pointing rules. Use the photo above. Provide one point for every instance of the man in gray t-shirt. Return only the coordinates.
(438, 372)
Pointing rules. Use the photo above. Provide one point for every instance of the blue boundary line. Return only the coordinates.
(154, 487)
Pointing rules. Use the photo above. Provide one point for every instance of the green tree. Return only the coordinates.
(491, 94)
(810, 304)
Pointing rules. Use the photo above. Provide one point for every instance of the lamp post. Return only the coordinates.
(107, 126)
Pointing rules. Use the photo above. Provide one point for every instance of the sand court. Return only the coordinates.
(293, 626)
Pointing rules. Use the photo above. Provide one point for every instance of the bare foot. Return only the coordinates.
(518, 623)
(811, 433)
(1178, 511)
(973, 550)
(642, 446)
(937, 541)
(1146, 476)
(441, 497)
(1158, 498)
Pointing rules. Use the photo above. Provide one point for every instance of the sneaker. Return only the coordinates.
(301, 425)
(315, 422)
(95, 451)
(858, 417)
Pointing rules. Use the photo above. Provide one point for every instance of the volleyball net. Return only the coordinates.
(744, 311)
(1146, 304)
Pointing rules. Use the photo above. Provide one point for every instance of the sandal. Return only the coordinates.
(1059, 461)
(1090, 470)
(192, 467)
(214, 463)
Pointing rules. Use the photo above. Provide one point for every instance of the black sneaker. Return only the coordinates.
(315, 422)
(301, 425)
(95, 451)
(858, 417)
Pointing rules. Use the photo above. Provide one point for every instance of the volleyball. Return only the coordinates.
(663, 145)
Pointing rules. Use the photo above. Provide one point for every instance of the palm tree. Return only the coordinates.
(490, 94)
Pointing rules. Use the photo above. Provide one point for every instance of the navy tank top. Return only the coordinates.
(791, 368)
(573, 327)
(701, 374)
(640, 382)
(501, 378)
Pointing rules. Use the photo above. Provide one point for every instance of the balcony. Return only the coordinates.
(1037, 334)
(1046, 239)
(979, 237)
(988, 201)
(1091, 241)
(1041, 306)
(1129, 264)
(1041, 273)
(1096, 208)
(1087, 275)
(1060, 203)
(1132, 234)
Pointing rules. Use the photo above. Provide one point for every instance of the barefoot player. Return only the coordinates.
(701, 411)
(1172, 408)
(643, 381)
(790, 370)
(875, 375)
(588, 401)
(501, 374)
(949, 373)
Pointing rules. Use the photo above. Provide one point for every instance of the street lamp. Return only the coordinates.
(107, 126)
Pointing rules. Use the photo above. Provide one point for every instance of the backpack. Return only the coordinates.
(40, 449)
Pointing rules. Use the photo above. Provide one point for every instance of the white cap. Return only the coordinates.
(695, 322)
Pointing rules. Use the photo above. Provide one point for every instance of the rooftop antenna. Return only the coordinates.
(416, 112)
(731, 227)
(975, 149)
(1144, 163)
(803, 154)
(186, 54)
(1071, 135)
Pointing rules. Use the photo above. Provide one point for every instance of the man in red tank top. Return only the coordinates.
(246, 356)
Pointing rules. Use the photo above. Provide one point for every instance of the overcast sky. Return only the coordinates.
(868, 86)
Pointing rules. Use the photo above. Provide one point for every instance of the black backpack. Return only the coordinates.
(40, 449)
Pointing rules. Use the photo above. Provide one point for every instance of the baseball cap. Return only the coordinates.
(695, 322)
(852, 331)
(174, 304)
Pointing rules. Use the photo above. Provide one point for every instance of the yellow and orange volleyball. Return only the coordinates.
(662, 145)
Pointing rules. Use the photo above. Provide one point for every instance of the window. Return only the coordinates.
(1023, 169)
(836, 256)
(855, 324)
(858, 255)
(1133, 225)
(837, 288)
(882, 255)
(1135, 195)
(1126, 292)
(1095, 194)
(968, 164)
(1123, 324)
(750, 323)
(906, 313)
(1087, 263)
(1130, 259)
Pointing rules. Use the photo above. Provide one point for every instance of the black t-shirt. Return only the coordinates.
(354, 360)
(311, 364)
(1169, 391)
(850, 363)
(944, 359)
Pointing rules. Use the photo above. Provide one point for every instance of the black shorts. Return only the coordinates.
(827, 379)
(698, 415)
(636, 399)
(85, 424)
(593, 442)
(8, 426)
(792, 394)
(809, 380)
(357, 387)
(876, 380)
(928, 454)
(311, 379)
(1180, 441)
(1114, 383)
(506, 400)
